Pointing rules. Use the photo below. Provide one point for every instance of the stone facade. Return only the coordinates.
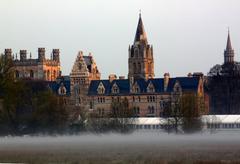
(83, 72)
(146, 98)
(36, 69)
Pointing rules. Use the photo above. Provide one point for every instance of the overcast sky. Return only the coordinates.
(187, 35)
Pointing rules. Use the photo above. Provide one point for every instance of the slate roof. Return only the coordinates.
(187, 84)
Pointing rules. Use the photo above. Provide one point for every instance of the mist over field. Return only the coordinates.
(115, 148)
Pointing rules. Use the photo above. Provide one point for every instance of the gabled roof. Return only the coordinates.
(55, 85)
(187, 84)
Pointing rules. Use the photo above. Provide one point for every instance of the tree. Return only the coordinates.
(12, 96)
(49, 113)
(118, 119)
(183, 114)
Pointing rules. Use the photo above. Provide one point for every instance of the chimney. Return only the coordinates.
(56, 56)
(190, 74)
(197, 74)
(112, 77)
(41, 54)
(23, 55)
(121, 77)
(166, 80)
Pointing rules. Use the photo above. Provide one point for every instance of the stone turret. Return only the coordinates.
(23, 55)
(41, 54)
(56, 55)
(8, 53)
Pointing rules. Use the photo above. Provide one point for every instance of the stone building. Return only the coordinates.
(146, 95)
(36, 69)
(84, 70)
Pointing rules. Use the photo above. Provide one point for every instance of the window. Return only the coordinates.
(62, 89)
(134, 68)
(150, 88)
(115, 88)
(101, 89)
(31, 74)
(136, 110)
(54, 74)
(101, 111)
(48, 75)
(151, 110)
(139, 67)
(139, 98)
(17, 74)
(91, 105)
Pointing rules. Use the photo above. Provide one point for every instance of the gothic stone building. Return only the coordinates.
(146, 95)
(83, 72)
(36, 69)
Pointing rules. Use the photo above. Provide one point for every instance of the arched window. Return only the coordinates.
(48, 75)
(149, 67)
(31, 74)
(115, 88)
(134, 68)
(139, 67)
(54, 74)
(17, 74)
(136, 52)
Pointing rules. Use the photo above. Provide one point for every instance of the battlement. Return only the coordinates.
(56, 51)
(23, 55)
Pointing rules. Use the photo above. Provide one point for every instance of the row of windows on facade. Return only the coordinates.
(47, 74)
(135, 89)
(134, 99)
(136, 110)
(79, 81)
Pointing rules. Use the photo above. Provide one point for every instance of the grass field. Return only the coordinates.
(134, 148)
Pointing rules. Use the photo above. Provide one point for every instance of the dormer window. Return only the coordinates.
(101, 89)
(177, 87)
(62, 90)
(150, 88)
(115, 88)
(136, 88)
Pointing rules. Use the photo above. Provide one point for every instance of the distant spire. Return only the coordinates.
(140, 33)
(229, 52)
(229, 45)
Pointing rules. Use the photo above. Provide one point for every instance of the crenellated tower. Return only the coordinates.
(140, 60)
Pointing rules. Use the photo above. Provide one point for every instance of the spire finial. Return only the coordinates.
(140, 12)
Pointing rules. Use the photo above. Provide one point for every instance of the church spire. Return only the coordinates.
(140, 32)
(229, 45)
(229, 52)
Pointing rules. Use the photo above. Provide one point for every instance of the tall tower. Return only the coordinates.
(140, 60)
(229, 52)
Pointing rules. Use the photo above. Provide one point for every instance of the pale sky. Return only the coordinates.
(187, 35)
